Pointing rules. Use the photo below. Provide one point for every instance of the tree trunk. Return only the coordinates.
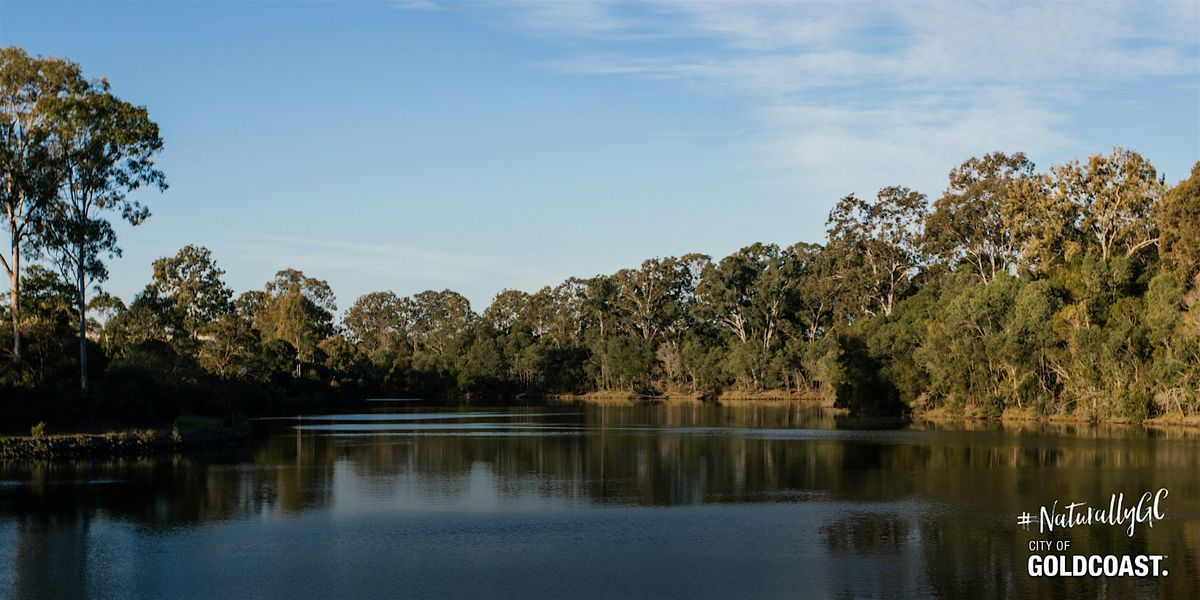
(14, 274)
(81, 293)
(14, 284)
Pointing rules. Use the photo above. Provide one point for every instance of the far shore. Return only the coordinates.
(814, 398)
(203, 432)
(114, 444)
(940, 414)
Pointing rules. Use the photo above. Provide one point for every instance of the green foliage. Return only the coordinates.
(483, 370)
(704, 363)
(296, 309)
(876, 246)
(1109, 203)
(190, 293)
(277, 358)
(859, 385)
(1179, 223)
(438, 323)
(563, 370)
(630, 360)
(377, 324)
(1040, 292)
(71, 153)
(38, 431)
(232, 349)
(986, 214)
(33, 92)
(149, 382)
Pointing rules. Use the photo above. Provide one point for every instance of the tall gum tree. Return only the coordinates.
(105, 147)
(974, 220)
(648, 297)
(375, 322)
(31, 90)
(749, 292)
(877, 245)
(1114, 198)
(438, 322)
(190, 284)
(1179, 224)
(299, 310)
(819, 291)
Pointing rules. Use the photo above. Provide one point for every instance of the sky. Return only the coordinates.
(485, 145)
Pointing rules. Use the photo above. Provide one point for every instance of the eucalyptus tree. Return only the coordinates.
(1112, 200)
(649, 297)
(233, 348)
(1179, 223)
(750, 292)
(820, 291)
(297, 309)
(508, 312)
(376, 323)
(190, 283)
(600, 303)
(249, 303)
(691, 268)
(669, 353)
(105, 148)
(439, 323)
(32, 91)
(559, 313)
(877, 245)
(975, 220)
(724, 292)
(148, 317)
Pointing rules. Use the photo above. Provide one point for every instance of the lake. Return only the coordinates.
(679, 500)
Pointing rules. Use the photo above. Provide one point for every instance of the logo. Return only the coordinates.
(1049, 558)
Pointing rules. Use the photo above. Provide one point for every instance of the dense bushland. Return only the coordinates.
(1069, 291)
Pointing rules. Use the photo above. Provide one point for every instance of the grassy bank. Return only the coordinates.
(963, 414)
(727, 396)
(134, 442)
(1017, 415)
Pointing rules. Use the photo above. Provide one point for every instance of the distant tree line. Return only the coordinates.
(1073, 290)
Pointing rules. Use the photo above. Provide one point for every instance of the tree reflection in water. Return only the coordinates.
(929, 508)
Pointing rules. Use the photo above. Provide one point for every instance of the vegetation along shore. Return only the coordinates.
(185, 434)
(1069, 291)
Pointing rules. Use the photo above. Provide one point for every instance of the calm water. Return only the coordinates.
(597, 501)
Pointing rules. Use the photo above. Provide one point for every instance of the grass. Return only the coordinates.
(184, 433)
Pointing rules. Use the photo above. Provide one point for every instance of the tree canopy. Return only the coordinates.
(1069, 290)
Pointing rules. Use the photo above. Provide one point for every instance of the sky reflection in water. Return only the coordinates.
(593, 501)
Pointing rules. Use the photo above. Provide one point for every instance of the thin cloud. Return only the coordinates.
(837, 90)
(389, 262)
(415, 5)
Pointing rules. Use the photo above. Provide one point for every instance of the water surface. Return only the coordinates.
(595, 501)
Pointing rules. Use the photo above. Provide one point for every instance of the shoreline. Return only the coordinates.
(149, 442)
(767, 396)
(117, 444)
(1010, 415)
(1018, 415)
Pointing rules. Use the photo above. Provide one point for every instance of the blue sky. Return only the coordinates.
(510, 144)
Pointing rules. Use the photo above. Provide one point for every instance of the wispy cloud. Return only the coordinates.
(842, 89)
(415, 5)
(403, 268)
(379, 259)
